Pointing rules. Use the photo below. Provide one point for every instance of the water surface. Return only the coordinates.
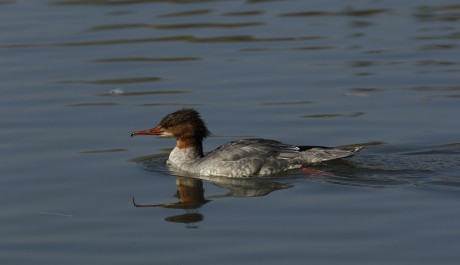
(79, 76)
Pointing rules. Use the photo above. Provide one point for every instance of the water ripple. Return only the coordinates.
(345, 12)
(448, 13)
(245, 13)
(121, 2)
(298, 102)
(196, 12)
(426, 166)
(335, 115)
(187, 38)
(144, 93)
(175, 26)
(145, 59)
(93, 104)
(118, 81)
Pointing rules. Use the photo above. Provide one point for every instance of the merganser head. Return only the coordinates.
(182, 124)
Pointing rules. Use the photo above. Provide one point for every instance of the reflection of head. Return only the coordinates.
(190, 193)
(191, 196)
(187, 218)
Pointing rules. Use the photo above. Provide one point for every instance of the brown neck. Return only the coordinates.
(190, 142)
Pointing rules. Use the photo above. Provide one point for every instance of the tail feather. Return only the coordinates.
(319, 154)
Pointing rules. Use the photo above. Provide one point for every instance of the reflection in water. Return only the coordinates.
(380, 166)
(191, 195)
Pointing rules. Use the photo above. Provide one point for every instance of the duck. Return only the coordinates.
(244, 158)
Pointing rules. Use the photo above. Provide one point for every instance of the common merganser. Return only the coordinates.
(237, 159)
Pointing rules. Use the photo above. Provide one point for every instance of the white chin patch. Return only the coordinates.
(166, 134)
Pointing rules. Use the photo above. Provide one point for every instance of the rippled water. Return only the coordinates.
(78, 76)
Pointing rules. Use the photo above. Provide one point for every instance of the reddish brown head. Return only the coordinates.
(182, 124)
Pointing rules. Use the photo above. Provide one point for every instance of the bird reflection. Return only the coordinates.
(369, 171)
(191, 195)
